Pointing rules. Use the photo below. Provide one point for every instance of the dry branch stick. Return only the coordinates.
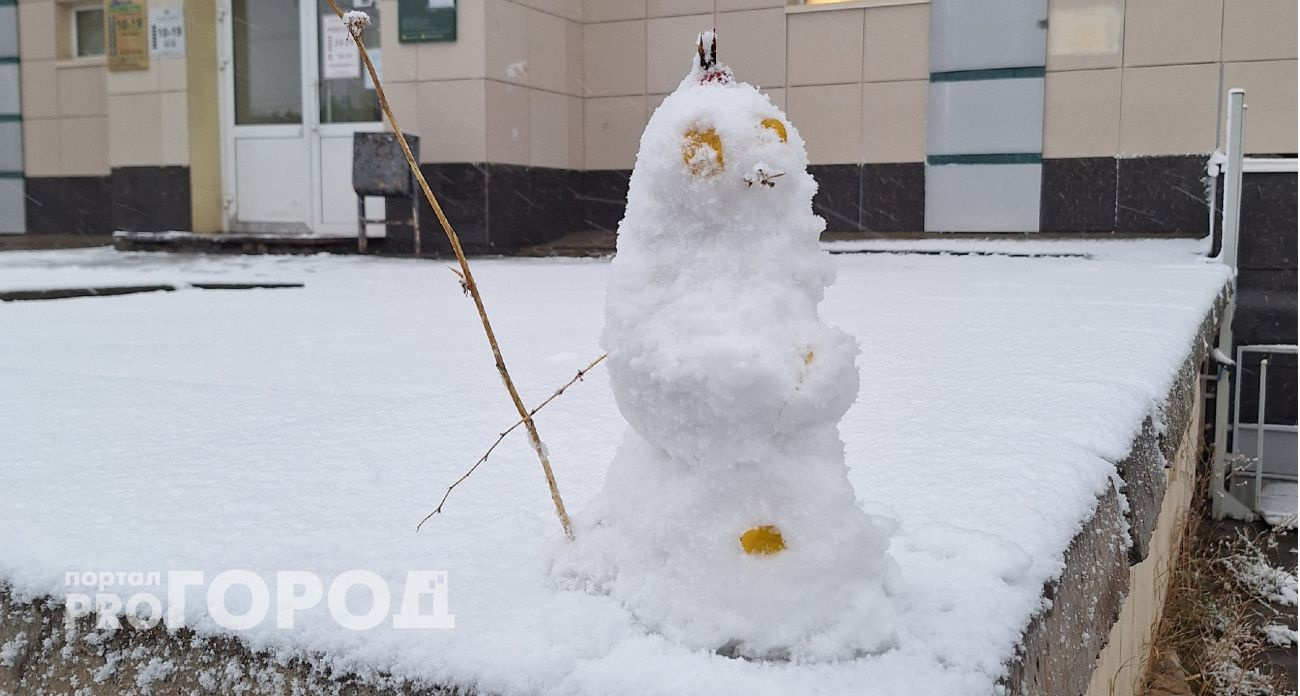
(576, 378)
(468, 277)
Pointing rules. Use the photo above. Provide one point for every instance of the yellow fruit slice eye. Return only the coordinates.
(764, 540)
(702, 165)
(775, 125)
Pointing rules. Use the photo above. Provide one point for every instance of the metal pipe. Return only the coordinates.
(1219, 466)
(1228, 255)
(1259, 431)
(1232, 177)
(1214, 194)
(1236, 399)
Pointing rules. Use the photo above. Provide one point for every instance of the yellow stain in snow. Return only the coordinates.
(763, 541)
(696, 139)
(776, 125)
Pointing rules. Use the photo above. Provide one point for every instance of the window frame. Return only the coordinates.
(75, 28)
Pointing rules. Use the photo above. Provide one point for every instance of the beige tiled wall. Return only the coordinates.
(453, 120)
(1270, 85)
(1081, 115)
(896, 44)
(148, 112)
(673, 8)
(508, 90)
(829, 117)
(1259, 29)
(670, 48)
(612, 10)
(570, 83)
(1172, 32)
(614, 58)
(1169, 109)
(825, 48)
(612, 130)
(893, 121)
(759, 58)
(1146, 77)
(851, 78)
(65, 106)
(80, 119)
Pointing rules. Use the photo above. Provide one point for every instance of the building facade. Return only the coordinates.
(1058, 116)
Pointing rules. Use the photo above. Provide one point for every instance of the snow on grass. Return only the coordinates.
(1257, 575)
(11, 649)
(155, 671)
(1280, 635)
(312, 428)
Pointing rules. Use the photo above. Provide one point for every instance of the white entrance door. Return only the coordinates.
(289, 112)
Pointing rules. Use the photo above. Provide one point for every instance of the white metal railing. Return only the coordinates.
(1231, 469)
(1261, 425)
(1268, 165)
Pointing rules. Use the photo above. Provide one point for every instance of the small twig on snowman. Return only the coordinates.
(760, 175)
(355, 23)
(576, 378)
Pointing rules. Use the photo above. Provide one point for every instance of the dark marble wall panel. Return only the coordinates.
(1162, 194)
(44, 205)
(399, 239)
(1266, 288)
(1268, 222)
(604, 199)
(461, 189)
(558, 193)
(512, 210)
(68, 205)
(151, 199)
(893, 197)
(530, 205)
(839, 195)
(1079, 195)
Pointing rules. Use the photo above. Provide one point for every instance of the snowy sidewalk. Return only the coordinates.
(312, 428)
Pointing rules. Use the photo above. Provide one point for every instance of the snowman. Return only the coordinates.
(727, 521)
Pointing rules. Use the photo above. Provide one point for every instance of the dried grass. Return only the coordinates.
(1211, 620)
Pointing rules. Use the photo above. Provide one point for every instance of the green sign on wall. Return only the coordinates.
(421, 21)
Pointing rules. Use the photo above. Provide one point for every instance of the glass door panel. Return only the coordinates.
(347, 94)
(267, 62)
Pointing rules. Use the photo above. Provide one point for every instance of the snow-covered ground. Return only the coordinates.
(310, 429)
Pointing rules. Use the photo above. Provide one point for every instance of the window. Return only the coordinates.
(88, 32)
(268, 72)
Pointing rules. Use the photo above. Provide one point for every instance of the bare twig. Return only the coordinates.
(460, 278)
(472, 287)
(576, 378)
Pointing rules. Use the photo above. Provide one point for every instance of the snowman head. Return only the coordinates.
(719, 149)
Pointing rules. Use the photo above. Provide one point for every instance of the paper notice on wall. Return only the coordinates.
(128, 43)
(339, 58)
(166, 32)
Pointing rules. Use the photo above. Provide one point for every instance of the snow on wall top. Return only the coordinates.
(310, 429)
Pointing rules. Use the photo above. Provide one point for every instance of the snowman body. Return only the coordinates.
(733, 388)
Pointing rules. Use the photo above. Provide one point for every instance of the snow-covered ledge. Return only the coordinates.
(1002, 400)
(1096, 636)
